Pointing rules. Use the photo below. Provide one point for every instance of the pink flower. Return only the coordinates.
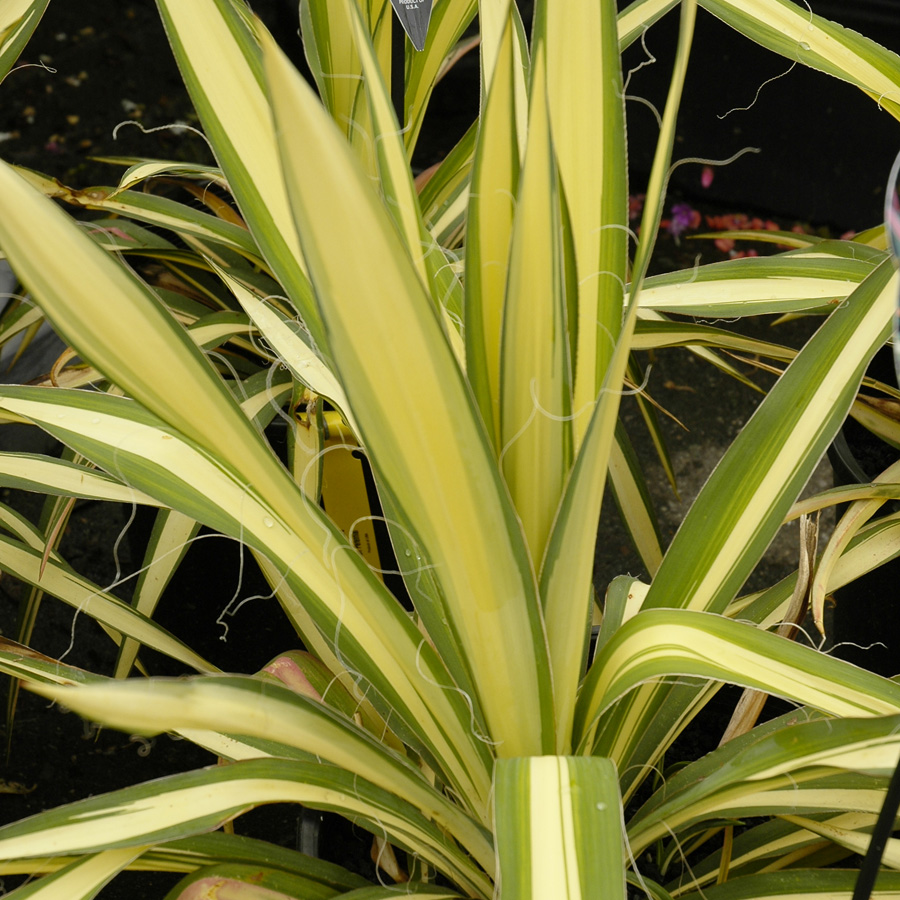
(635, 205)
(683, 218)
(706, 176)
(726, 245)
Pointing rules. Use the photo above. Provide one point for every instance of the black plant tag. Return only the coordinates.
(414, 16)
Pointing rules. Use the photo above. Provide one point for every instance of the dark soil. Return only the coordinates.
(91, 67)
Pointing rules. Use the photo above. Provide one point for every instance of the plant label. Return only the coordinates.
(414, 16)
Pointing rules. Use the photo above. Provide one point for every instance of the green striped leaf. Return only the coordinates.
(217, 848)
(375, 635)
(567, 571)
(848, 838)
(435, 461)
(774, 455)
(146, 169)
(56, 578)
(793, 282)
(256, 708)
(182, 805)
(22, 662)
(535, 374)
(658, 643)
(489, 223)
(638, 16)
(169, 541)
(449, 20)
(445, 195)
(633, 501)
(587, 115)
(81, 879)
(651, 334)
(771, 842)
(797, 33)
(812, 884)
(18, 19)
(162, 212)
(219, 60)
(34, 472)
(139, 339)
(416, 889)
(559, 830)
(332, 51)
(290, 343)
(790, 766)
(398, 191)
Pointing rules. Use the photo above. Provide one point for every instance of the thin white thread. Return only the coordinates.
(537, 408)
(261, 345)
(367, 143)
(80, 608)
(645, 102)
(684, 859)
(609, 337)
(175, 126)
(429, 248)
(711, 162)
(695, 274)
(355, 675)
(813, 645)
(145, 745)
(602, 272)
(503, 192)
(649, 61)
(554, 417)
(272, 395)
(384, 135)
(382, 849)
(85, 601)
(884, 94)
(218, 355)
(626, 228)
(228, 611)
(413, 570)
(630, 392)
(122, 532)
(758, 92)
(858, 646)
(455, 319)
(38, 65)
(232, 609)
(304, 475)
(630, 852)
(809, 10)
(476, 733)
(516, 436)
(648, 767)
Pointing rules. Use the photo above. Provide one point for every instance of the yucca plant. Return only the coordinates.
(475, 340)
